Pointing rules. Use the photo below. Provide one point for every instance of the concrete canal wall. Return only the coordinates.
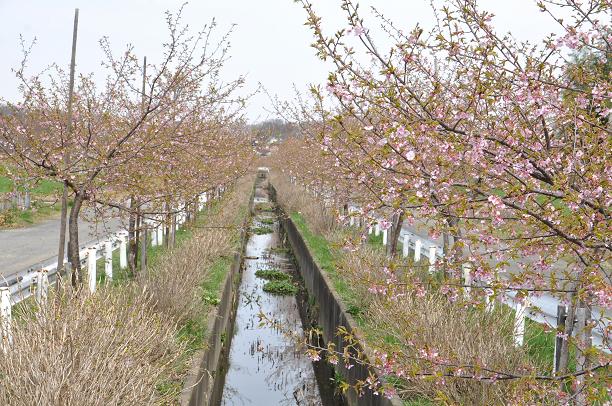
(331, 314)
(204, 383)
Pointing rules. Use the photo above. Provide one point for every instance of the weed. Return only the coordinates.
(279, 250)
(211, 300)
(282, 287)
(273, 275)
(353, 310)
(264, 207)
(261, 230)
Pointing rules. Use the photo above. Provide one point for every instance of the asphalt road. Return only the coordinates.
(24, 247)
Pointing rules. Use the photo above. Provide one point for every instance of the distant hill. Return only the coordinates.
(268, 133)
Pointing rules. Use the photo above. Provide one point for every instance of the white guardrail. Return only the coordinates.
(25, 284)
(37, 278)
(541, 308)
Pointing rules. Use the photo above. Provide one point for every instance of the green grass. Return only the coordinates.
(375, 240)
(47, 187)
(6, 185)
(43, 187)
(261, 230)
(13, 218)
(323, 255)
(211, 287)
(539, 343)
(264, 207)
(272, 275)
(267, 221)
(280, 287)
(194, 333)
(120, 276)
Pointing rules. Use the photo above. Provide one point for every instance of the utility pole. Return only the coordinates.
(62, 237)
(137, 226)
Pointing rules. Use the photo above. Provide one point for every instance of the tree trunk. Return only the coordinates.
(139, 223)
(132, 247)
(583, 343)
(172, 236)
(458, 250)
(569, 329)
(61, 252)
(73, 243)
(195, 210)
(445, 248)
(143, 249)
(168, 226)
(396, 228)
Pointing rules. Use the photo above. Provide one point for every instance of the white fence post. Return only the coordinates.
(122, 251)
(5, 318)
(370, 230)
(108, 259)
(42, 286)
(377, 229)
(467, 280)
(91, 268)
(417, 250)
(385, 237)
(153, 237)
(405, 245)
(160, 234)
(432, 258)
(519, 322)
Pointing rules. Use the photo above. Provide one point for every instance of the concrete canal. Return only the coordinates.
(265, 365)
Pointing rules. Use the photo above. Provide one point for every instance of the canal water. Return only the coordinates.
(265, 366)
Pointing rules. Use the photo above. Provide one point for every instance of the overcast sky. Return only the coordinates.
(270, 44)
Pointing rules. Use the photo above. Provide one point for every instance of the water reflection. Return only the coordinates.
(265, 367)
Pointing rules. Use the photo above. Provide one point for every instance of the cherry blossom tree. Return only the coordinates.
(147, 132)
(499, 145)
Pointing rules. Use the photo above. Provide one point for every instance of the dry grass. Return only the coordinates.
(121, 345)
(175, 279)
(401, 322)
(105, 349)
(292, 198)
(459, 336)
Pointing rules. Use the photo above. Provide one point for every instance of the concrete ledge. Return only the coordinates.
(331, 315)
